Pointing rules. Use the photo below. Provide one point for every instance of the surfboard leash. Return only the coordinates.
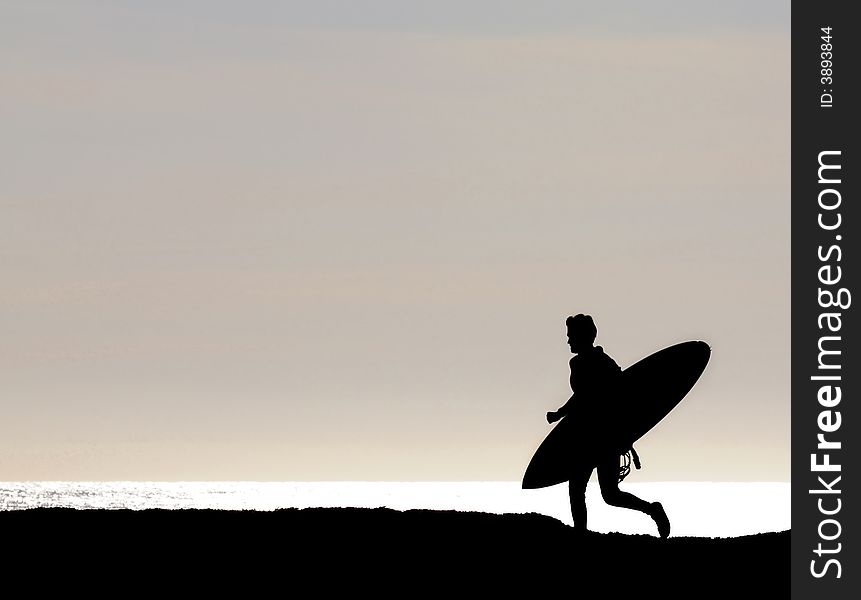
(625, 466)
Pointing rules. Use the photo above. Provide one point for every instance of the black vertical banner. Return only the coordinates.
(826, 364)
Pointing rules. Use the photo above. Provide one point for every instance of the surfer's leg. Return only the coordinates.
(608, 478)
(577, 496)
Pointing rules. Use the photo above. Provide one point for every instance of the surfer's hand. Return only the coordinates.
(552, 416)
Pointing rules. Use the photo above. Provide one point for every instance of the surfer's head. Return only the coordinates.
(581, 332)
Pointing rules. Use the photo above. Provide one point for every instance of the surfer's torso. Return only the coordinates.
(593, 373)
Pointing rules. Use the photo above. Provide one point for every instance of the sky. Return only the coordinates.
(304, 241)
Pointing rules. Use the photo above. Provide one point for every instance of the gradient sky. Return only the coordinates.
(339, 240)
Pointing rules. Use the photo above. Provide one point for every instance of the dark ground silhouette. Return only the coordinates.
(377, 551)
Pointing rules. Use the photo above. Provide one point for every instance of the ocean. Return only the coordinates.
(703, 509)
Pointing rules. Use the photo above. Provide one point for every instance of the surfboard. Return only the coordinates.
(641, 396)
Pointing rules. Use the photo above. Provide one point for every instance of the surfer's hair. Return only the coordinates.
(582, 326)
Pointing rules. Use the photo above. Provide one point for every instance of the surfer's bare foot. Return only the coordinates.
(660, 516)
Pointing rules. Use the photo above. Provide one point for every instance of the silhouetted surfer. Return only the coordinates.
(593, 377)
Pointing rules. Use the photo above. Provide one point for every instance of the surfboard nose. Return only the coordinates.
(693, 357)
(703, 351)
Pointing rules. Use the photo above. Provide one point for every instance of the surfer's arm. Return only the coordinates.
(554, 416)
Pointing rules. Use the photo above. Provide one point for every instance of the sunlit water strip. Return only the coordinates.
(695, 509)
